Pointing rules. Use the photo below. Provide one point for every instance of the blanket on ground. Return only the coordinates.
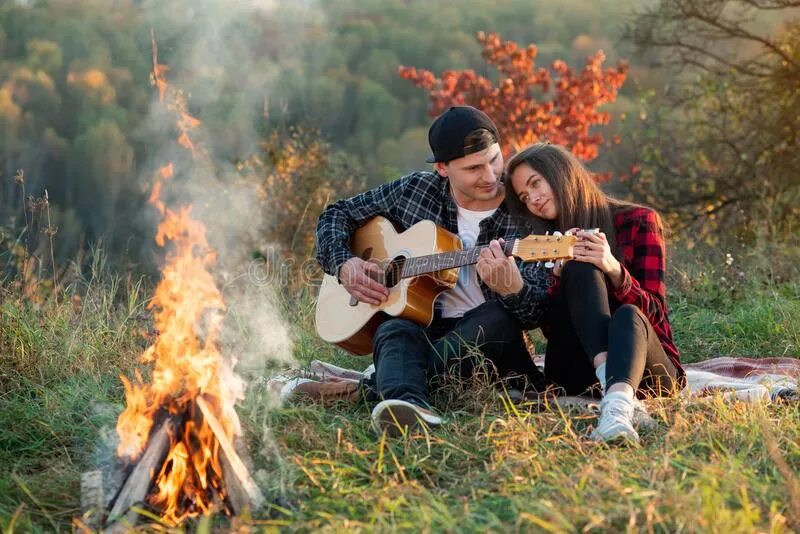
(745, 379)
(749, 379)
(737, 377)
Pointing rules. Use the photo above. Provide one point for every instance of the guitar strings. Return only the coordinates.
(394, 269)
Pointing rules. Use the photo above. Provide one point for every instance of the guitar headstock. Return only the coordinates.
(544, 247)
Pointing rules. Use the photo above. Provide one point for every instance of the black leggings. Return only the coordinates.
(584, 326)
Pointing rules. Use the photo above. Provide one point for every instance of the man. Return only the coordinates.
(492, 301)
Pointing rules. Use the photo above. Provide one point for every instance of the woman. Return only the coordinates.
(609, 320)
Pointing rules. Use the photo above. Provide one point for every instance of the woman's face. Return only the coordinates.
(534, 191)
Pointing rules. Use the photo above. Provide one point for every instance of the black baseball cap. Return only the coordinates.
(447, 133)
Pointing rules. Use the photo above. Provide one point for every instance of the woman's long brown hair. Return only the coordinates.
(581, 203)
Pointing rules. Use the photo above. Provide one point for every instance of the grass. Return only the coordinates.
(707, 466)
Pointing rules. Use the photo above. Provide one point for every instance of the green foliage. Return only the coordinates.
(67, 87)
(73, 73)
(98, 154)
(735, 300)
(74, 97)
(297, 175)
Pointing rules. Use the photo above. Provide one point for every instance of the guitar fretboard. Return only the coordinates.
(432, 263)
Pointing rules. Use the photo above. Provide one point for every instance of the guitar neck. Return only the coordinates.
(432, 263)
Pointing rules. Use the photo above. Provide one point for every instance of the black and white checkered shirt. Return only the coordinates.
(426, 196)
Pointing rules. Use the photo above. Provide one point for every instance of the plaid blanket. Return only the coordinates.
(739, 367)
(747, 379)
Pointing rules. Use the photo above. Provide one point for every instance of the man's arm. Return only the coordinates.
(521, 287)
(339, 220)
(531, 303)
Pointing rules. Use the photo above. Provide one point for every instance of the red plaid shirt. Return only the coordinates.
(641, 242)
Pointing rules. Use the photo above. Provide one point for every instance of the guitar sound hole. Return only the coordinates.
(394, 271)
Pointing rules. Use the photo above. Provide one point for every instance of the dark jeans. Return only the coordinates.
(408, 356)
(583, 326)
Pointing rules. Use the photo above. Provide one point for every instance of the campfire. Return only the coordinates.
(177, 434)
(181, 425)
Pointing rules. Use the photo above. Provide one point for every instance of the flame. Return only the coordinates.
(186, 361)
(185, 142)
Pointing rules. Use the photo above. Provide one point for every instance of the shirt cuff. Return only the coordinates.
(625, 287)
(516, 301)
(338, 259)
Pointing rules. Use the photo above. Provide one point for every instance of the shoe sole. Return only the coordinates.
(328, 392)
(399, 418)
(289, 388)
(619, 438)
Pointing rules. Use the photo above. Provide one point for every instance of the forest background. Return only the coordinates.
(688, 132)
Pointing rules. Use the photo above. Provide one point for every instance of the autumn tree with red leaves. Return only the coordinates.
(530, 104)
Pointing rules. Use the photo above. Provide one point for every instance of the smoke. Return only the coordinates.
(227, 57)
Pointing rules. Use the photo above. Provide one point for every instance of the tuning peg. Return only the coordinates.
(557, 233)
(549, 264)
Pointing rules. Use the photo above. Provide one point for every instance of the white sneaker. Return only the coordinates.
(397, 417)
(616, 419)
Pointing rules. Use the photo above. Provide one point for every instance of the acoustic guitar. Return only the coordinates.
(416, 266)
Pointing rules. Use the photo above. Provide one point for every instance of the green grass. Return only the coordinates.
(746, 305)
(709, 465)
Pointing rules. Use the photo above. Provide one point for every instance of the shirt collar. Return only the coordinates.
(499, 220)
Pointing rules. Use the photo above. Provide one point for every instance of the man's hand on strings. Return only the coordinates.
(353, 276)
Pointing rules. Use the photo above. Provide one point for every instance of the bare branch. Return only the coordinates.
(698, 27)
(735, 30)
(776, 5)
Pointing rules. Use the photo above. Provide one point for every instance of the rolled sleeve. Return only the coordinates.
(333, 239)
(531, 303)
(623, 292)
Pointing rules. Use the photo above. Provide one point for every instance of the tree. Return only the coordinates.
(529, 103)
(724, 151)
(106, 196)
(298, 173)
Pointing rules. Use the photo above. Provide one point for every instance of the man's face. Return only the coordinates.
(475, 177)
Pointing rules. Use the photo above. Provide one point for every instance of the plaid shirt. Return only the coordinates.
(426, 196)
(641, 243)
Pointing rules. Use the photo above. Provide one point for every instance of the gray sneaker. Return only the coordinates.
(397, 417)
(616, 420)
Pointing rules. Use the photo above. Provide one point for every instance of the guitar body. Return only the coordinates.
(352, 325)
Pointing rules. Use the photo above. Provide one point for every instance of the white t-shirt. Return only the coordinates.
(467, 293)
